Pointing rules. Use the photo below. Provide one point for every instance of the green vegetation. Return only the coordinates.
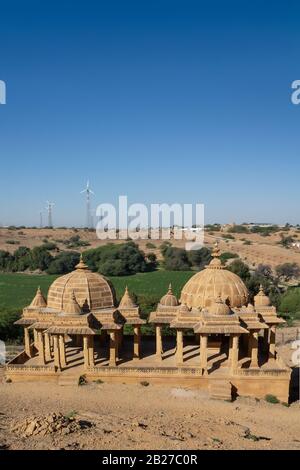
(286, 242)
(82, 380)
(119, 260)
(228, 236)
(265, 231)
(150, 246)
(213, 227)
(272, 399)
(290, 303)
(227, 255)
(178, 259)
(288, 271)
(17, 291)
(75, 242)
(239, 229)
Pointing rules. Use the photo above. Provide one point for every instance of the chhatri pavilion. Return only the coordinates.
(219, 341)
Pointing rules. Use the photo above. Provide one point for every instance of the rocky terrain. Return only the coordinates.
(119, 416)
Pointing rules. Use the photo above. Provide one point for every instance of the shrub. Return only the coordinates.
(64, 263)
(150, 246)
(144, 383)
(272, 399)
(119, 259)
(239, 229)
(227, 255)
(82, 380)
(227, 236)
(240, 268)
(12, 242)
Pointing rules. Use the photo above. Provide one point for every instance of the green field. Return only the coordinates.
(17, 290)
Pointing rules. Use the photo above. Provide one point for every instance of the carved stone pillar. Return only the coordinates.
(179, 350)
(272, 350)
(203, 352)
(86, 352)
(35, 339)
(112, 349)
(137, 342)
(159, 349)
(266, 341)
(41, 347)
(253, 343)
(234, 352)
(56, 352)
(91, 351)
(62, 351)
(48, 353)
(27, 342)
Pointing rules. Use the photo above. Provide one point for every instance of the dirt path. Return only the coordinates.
(137, 417)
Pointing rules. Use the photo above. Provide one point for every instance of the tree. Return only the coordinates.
(240, 269)
(288, 271)
(224, 257)
(176, 259)
(40, 258)
(64, 263)
(199, 258)
(290, 302)
(118, 259)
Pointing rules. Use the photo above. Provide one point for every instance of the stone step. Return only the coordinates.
(220, 390)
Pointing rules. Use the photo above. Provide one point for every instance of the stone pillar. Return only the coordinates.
(27, 342)
(266, 341)
(86, 352)
(159, 349)
(179, 350)
(137, 342)
(235, 352)
(120, 340)
(272, 351)
(56, 352)
(203, 353)
(253, 341)
(112, 349)
(35, 339)
(41, 347)
(48, 352)
(62, 351)
(91, 351)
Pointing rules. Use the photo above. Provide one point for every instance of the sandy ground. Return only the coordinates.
(262, 249)
(138, 417)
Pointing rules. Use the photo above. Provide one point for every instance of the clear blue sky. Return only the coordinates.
(165, 101)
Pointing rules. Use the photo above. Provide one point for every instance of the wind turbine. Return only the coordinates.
(49, 210)
(41, 219)
(88, 193)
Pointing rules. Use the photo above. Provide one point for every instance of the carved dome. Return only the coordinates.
(203, 288)
(219, 307)
(169, 300)
(87, 287)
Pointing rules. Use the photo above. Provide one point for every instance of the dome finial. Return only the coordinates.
(38, 300)
(81, 264)
(216, 251)
(126, 301)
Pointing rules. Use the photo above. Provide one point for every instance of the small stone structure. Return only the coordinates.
(220, 340)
